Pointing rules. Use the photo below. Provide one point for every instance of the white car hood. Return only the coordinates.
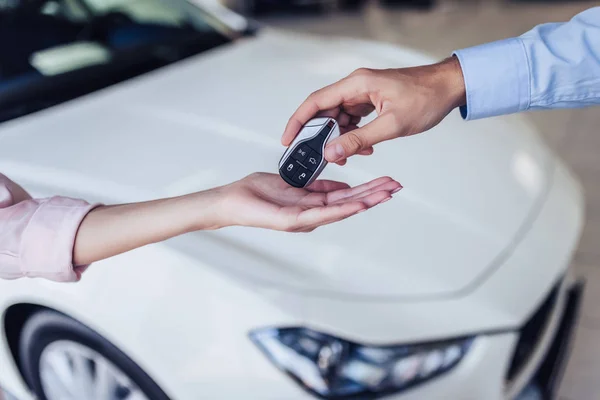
(217, 117)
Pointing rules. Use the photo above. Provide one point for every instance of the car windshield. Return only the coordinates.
(54, 51)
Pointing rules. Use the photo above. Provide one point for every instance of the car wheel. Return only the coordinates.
(63, 359)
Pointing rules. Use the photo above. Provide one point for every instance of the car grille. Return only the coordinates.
(531, 333)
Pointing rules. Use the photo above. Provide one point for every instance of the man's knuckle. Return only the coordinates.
(355, 141)
(314, 95)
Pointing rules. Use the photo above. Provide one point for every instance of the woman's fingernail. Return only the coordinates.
(384, 200)
(334, 152)
(396, 190)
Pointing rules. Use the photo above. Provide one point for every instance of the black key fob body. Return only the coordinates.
(303, 160)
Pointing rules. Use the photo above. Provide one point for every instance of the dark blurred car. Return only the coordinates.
(255, 7)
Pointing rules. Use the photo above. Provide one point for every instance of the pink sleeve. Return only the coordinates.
(37, 235)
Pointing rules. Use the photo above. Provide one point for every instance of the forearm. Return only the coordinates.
(564, 62)
(110, 230)
(552, 66)
(57, 238)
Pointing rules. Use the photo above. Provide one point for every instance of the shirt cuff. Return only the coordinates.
(48, 240)
(496, 79)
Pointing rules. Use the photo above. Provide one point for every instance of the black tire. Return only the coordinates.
(46, 327)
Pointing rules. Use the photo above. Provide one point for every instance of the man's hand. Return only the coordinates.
(407, 101)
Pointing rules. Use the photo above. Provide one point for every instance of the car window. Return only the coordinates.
(68, 9)
(56, 50)
(142, 11)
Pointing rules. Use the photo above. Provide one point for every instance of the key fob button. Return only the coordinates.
(289, 168)
(312, 161)
(302, 175)
(301, 152)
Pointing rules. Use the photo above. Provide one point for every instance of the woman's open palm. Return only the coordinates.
(266, 201)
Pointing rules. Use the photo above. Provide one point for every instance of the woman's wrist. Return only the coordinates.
(207, 209)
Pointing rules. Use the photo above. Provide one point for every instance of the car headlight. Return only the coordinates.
(334, 368)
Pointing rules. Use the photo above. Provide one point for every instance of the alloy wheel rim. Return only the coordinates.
(72, 371)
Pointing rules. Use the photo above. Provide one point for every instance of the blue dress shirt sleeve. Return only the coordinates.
(554, 65)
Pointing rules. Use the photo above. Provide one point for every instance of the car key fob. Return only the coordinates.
(303, 160)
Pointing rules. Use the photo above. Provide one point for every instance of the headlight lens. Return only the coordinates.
(334, 368)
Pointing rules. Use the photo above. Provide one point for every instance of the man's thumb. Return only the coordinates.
(343, 147)
(356, 140)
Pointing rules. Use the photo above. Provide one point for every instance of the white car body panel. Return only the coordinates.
(166, 133)
(486, 210)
